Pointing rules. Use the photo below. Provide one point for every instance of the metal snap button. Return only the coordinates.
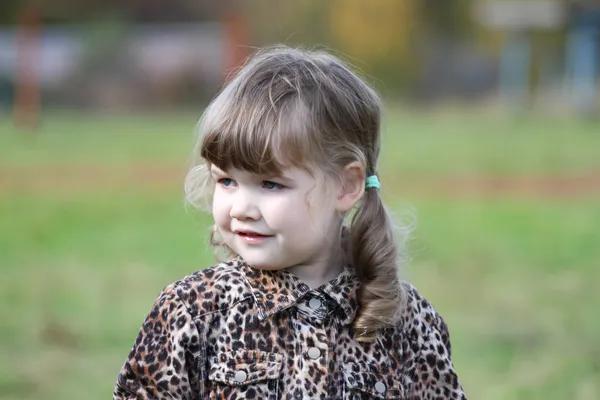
(314, 303)
(240, 376)
(380, 387)
(314, 353)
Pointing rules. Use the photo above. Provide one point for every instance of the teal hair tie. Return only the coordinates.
(372, 182)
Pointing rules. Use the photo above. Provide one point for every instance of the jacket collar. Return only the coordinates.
(275, 291)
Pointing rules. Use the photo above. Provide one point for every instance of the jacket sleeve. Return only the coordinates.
(161, 364)
(435, 377)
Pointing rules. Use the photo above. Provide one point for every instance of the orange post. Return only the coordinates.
(236, 41)
(27, 89)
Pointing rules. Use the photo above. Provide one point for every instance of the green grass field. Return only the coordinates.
(93, 226)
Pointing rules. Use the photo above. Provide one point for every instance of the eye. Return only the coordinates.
(272, 185)
(225, 182)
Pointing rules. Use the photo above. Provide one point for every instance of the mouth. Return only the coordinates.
(251, 235)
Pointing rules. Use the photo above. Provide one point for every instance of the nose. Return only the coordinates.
(244, 207)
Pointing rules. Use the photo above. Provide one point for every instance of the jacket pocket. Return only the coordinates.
(360, 383)
(245, 374)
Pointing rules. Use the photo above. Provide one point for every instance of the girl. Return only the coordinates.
(309, 306)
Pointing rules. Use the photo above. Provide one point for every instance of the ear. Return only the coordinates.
(352, 187)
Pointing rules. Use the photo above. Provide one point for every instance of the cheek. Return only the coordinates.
(322, 216)
(320, 207)
(305, 217)
(282, 212)
(220, 208)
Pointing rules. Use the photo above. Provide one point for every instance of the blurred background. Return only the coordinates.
(491, 136)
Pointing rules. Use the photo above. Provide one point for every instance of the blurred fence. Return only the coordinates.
(536, 52)
(110, 67)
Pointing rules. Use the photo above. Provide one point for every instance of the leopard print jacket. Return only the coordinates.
(234, 332)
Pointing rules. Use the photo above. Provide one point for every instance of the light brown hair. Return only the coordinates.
(291, 107)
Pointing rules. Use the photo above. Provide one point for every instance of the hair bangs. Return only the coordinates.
(259, 137)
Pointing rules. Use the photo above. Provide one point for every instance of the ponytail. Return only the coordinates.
(374, 254)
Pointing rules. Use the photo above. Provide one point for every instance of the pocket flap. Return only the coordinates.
(244, 367)
(379, 386)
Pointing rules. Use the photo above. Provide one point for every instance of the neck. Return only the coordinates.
(322, 270)
(314, 275)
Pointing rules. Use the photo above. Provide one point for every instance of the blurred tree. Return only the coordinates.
(375, 36)
(373, 31)
(380, 35)
(301, 22)
(448, 17)
(9, 11)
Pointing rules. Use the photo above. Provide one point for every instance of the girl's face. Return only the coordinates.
(276, 222)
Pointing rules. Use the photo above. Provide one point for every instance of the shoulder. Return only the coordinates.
(212, 289)
(434, 372)
(420, 320)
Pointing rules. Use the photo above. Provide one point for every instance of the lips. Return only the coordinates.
(250, 234)
(252, 238)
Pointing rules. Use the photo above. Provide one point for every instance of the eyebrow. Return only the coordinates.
(273, 176)
(266, 176)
